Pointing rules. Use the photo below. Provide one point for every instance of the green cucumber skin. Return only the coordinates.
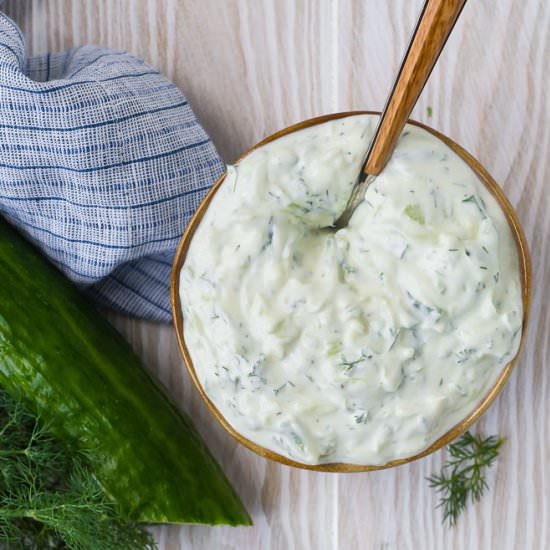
(76, 372)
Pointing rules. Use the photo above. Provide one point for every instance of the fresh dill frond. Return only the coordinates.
(49, 498)
(462, 478)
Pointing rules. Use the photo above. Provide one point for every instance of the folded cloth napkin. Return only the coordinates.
(102, 163)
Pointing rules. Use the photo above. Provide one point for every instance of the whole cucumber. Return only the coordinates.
(76, 372)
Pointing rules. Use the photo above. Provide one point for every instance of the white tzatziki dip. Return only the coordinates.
(359, 346)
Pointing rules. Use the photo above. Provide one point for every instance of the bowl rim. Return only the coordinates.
(459, 427)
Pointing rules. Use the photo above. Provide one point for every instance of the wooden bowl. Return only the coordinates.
(455, 431)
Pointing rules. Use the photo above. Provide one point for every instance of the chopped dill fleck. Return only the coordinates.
(417, 304)
(348, 268)
(429, 111)
(463, 355)
(433, 193)
(395, 338)
(478, 203)
(205, 278)
(348, 365)
(270, 231)
(256, 368)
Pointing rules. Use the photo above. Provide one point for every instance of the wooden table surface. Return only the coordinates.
(250, 67)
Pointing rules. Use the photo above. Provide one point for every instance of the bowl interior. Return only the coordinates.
(455, 431)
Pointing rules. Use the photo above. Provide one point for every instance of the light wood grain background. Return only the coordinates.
(250, 67)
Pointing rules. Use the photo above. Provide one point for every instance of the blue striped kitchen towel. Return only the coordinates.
(102, 163)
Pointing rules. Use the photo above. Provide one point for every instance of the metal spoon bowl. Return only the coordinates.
(433, 28)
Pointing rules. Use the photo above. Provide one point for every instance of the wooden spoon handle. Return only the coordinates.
(432, 30)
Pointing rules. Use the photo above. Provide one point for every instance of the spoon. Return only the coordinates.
(434, 26)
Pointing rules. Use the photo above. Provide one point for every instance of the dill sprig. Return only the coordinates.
(463, 475)
(49, 498)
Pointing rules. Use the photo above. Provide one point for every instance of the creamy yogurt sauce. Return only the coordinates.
(364, 345)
